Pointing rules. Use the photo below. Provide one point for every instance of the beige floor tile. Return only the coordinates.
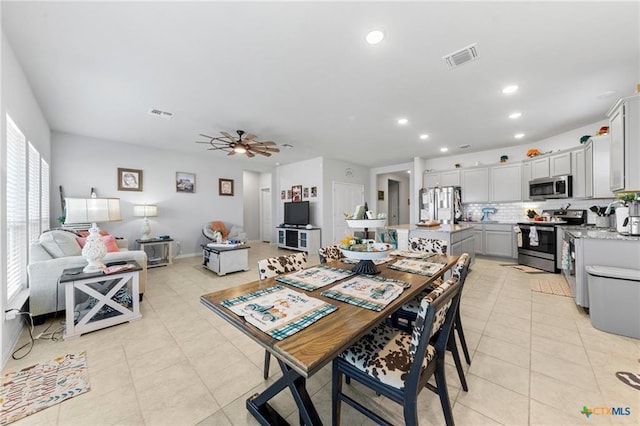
(508, 334)
(494, 401)
(562, 350)
(567, 371)
(463, 415)
(505, 351)
(565, 334)
(544, 415)
(99, 409)
(501, 373)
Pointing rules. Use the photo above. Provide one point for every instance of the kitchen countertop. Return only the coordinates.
(440, 228)
(601, 234)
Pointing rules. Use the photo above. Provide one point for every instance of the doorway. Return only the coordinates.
(394, 202)
(266, 227)
(346, 196)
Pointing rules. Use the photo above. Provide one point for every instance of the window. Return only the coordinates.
(16, 209)
(27, 201)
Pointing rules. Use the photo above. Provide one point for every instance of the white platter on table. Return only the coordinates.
(365, 264)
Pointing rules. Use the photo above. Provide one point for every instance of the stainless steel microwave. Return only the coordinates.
(555, 187)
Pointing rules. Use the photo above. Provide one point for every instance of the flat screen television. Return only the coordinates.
(296, 213)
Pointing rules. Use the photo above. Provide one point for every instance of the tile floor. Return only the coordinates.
(536, 359)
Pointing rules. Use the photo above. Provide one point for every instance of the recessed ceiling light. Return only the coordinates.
(519, 135)
(403, 121)
(510, 89)
(465, 146)
(286, 145)
(424, 137)
(409, 171)
(515, 115)
(444, 149)
(375, 37)
(277, 164)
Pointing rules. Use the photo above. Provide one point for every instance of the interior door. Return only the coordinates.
(394, 202)
(346, 196)
(266, 227)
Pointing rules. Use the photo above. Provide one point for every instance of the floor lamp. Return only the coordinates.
(93, 210)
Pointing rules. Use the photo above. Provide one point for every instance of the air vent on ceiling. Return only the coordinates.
(462, 56)
(465, 146)
(160, 113)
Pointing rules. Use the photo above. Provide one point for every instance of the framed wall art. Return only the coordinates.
(185, 182)
(314, 191)
(283, 195)
(129, 179)
(225, 187)
(305, 192)
(296, 193)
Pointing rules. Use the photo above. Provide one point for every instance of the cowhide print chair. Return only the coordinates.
(409, 311)
(428, 245)
(397, 364)
(272, 267)
(330, 253)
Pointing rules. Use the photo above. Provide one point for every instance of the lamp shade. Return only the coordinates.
(147, 210)
(82, 210)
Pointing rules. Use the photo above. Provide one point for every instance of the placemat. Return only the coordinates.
(416, 266)
(278, 310)
(367, 291)
(411, 254)
(315, 277)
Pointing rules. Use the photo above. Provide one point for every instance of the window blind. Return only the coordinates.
(44, 196)
(16, 197)
(33, 206)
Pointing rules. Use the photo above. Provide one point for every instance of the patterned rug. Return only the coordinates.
(524, 268)
(43, 385)
(558, 287)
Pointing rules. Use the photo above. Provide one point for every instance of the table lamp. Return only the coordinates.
(146, 211)
(93, 210)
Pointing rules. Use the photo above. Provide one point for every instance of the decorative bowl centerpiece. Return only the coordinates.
(365, 251)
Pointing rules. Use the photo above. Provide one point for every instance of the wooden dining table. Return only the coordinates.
(304, 353)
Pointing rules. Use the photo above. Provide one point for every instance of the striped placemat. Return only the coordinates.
(417, 266)
(278, 310)
(367, 291)
(315, 277)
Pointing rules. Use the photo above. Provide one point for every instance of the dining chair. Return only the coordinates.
(271, 267)
(428, 245)
(398, 364)
(330, 253)
(409, 312)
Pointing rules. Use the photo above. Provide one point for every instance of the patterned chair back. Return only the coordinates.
(428, 245)
(436, 305)
(461, 268)
(330, 253)
(273, 266)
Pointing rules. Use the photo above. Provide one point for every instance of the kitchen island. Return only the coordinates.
(459, 237)
(601, 247)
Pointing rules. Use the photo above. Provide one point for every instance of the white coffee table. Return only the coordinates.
(222, 260)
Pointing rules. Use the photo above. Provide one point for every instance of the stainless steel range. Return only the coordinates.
(539, 242)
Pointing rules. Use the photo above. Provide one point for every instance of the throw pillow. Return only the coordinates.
(108, 240)
(219, 226)
(85, 234)
(60, 244)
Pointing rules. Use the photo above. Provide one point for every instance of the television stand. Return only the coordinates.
(303, 239)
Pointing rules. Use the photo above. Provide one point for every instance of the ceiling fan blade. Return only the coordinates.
(232, 152)
(248, 138)
(229, 136)
(266, 154)
(249, 154)
(268, 143)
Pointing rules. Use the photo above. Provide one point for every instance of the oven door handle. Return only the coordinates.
(538, 228)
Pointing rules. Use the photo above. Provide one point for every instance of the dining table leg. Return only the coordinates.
(258, 404)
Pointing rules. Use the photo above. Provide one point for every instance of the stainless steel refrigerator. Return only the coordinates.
(443, 204)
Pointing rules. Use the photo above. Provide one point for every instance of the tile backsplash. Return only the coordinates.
(517, 212)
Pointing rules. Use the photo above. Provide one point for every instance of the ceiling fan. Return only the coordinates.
(243, 144)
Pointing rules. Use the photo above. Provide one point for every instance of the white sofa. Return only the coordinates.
(57, 250)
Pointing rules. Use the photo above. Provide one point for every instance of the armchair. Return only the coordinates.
(229, 231)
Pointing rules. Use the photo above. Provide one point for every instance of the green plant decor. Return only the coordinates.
(627, 196)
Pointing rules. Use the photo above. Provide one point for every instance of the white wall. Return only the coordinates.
(383, 185)
(307, 173)
(80, 163)
(251, 196)
(19, 102)
(570, 139)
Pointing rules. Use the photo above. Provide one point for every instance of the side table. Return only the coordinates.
(95, 300)
(223, 260)
(155, 258)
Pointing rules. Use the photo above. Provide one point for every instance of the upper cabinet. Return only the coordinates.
(475, 185)
(539, 167)
(579, 170)
(506, 183)
(624, 129)
(560, 164)
(443, 178)
(597, 168)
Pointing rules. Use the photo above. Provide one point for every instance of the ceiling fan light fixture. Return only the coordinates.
(239, 149)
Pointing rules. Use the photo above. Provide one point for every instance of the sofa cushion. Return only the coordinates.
(60, 244)
(219, 226)
(109, 241)
(85, 234)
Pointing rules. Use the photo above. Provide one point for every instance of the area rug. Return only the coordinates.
(43, 385)
(524, 268)
(559, 288)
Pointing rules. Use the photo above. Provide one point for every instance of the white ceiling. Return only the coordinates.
(301, 73)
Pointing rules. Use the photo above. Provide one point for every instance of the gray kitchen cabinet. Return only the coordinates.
(526, 177)
(597, 170)
(506, 183)
(475, 185)
(560, 164)
(624, 129)
(539, 167)
(579, 170)
(478, 234)
(498, 240)
(442, 178)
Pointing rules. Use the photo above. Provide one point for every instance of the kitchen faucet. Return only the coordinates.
(611, 204)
